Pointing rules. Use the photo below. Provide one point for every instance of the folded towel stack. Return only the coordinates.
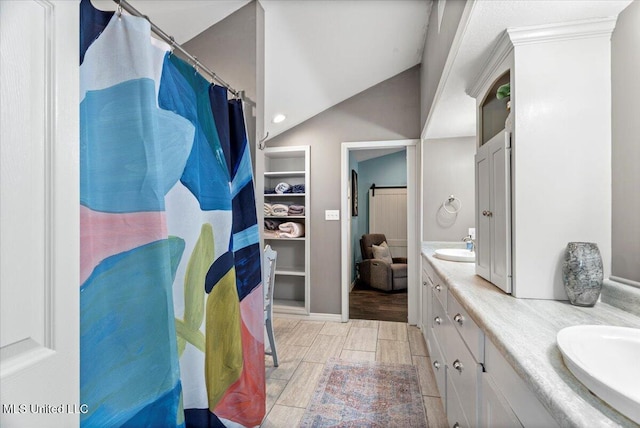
(280, 210)
(297, 188)
(271, 224)
(282, 188)
(291, 229)
(272, 233)
(296, 210)
(268, 209)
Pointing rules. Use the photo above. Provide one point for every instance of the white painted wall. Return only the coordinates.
(625, 163)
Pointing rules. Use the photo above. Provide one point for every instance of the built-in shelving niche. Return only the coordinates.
(493, 112)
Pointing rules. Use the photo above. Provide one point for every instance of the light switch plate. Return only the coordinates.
(332, 214)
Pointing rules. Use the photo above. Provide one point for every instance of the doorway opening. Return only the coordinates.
(360, 301)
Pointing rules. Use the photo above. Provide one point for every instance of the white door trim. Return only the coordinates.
(413, 219)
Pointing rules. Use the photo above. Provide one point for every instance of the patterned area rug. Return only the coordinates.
(366, 394)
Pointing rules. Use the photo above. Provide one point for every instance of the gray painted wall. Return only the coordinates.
(448, 169)
(387, 111)
(436, 51)
(625, 69)
(230, 49)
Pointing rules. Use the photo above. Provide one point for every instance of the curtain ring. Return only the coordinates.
(261, 144)
(195, 65)
(173, 44)
(119, 10)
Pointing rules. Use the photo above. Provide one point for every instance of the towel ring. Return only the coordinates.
(450, 201)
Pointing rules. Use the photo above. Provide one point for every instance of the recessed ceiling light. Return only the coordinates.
(279, 118)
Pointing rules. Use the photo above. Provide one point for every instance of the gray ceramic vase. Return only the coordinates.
(582, 273)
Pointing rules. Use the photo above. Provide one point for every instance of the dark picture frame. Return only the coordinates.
(354, 193)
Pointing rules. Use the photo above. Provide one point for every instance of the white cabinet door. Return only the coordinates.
(39, 214)
(493, 211)
(483, 222)
(494, 409)
(500, 211)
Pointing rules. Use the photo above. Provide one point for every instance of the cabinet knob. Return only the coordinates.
(424, 283)
(484, 213)
(489, 214)
(437, 320)
(456, 425)
(457, 365)
(436, 365)
(438, 288)
(458, 318)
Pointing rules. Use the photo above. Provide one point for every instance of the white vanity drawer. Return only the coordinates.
(438, 364)
(468, 329)
(464, 373)
(438, 285)
(439, 322)
(455, 414)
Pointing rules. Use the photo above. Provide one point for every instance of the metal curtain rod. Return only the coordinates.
(169, 39)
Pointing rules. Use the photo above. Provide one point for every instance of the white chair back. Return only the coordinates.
(268, 276)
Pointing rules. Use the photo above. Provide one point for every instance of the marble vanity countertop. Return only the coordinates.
(525, 330)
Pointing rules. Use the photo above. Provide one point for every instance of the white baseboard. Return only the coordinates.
(314, 316)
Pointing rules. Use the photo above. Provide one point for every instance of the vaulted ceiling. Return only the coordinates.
(321, 52)
(317, 52)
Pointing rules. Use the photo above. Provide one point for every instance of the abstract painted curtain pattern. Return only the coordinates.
(171, 295)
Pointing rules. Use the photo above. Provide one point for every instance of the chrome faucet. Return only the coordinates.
(473, 244)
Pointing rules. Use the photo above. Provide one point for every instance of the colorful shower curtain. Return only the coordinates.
(171, 295)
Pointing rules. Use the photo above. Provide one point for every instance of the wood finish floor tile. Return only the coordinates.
(282, 336)
(289, 357)
(428, 384)
(300, 388)
(416, 341)
(364, 323)
(392, 331)
(323, 348)
(274, 389)
(335, 328)
(283, 416)
(350, 355)
(281, 324)
(305, 333)
(361, 339)
(393, 351)
(304, 346)
(436, 417)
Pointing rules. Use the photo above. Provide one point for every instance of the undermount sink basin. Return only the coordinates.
(456, 255)
(605, 360)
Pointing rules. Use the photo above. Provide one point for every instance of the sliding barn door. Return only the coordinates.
(388, 215)
(39, 214)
